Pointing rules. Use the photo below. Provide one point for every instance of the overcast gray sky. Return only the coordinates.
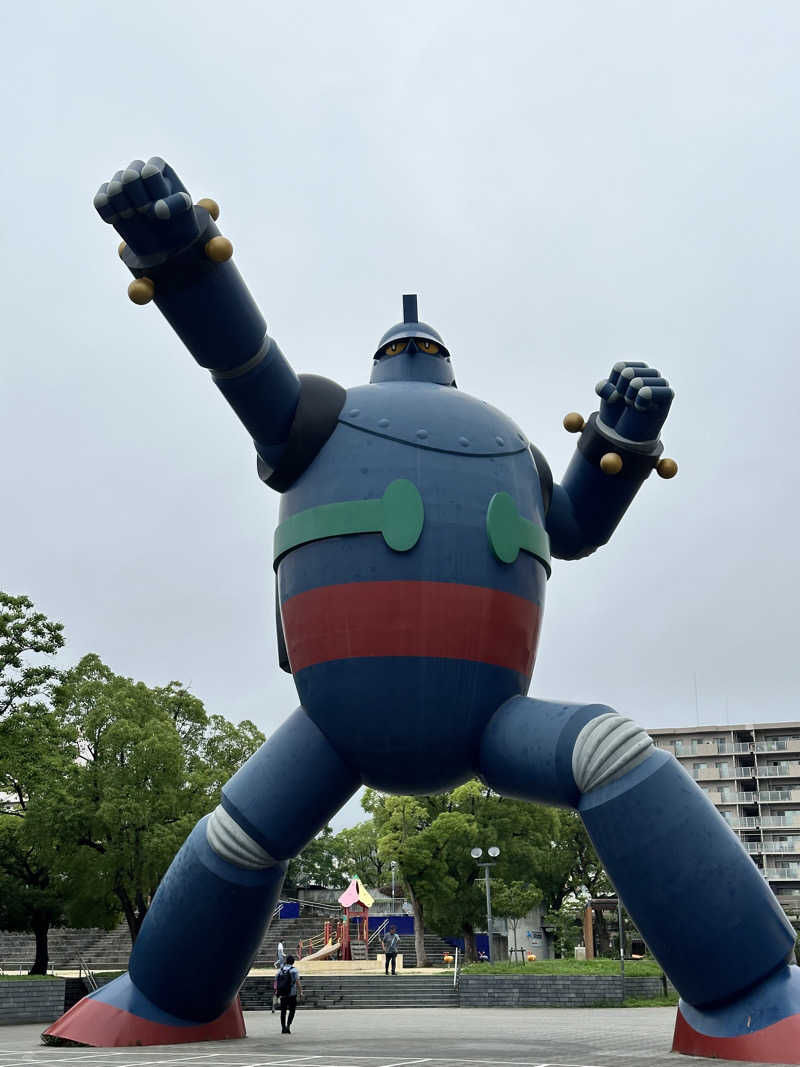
(564, 184)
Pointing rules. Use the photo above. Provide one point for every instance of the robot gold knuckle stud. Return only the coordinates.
(219, 249)
(611, 463)
(666, 468)
(433, 647)
(211, 206)
(573, 422)
(141, 291)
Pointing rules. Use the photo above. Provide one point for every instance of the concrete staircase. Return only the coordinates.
(359, 991)
(108, 950)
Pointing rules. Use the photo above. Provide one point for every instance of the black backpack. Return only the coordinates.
(283, 983)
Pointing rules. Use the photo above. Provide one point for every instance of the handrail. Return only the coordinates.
(7, 966)
(378, 931)
(455, 970)
(84, 966)
(310, 904)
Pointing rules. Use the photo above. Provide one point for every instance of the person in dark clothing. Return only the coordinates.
(390, 948)
(289, 999)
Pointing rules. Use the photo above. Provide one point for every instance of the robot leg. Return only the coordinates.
(699, 901)
(215, 902)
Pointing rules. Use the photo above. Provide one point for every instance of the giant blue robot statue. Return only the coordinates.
(416, 530)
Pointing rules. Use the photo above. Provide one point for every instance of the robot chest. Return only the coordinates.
(363, 483)
(431, 417)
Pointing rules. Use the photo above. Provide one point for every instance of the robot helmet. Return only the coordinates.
(412, 351)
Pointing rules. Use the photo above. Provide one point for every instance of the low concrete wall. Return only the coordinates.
(550, 990)
(36, 1001)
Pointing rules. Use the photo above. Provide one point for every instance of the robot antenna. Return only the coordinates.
(410, 308)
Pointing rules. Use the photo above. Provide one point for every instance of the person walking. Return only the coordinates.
(280, 959)
(390, 948)
(288, 987)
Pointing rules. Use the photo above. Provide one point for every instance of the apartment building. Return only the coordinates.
(751, 773)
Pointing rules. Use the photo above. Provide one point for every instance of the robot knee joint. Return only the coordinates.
(229, 841)
(606, 748)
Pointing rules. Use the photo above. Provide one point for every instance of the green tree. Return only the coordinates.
(356, 851)
(315, 865)
(572, 868)
(31, 896)
(25, 632)
(566, 925)
(33, 751)
(513, 900)
(146, 764)
(431, 837)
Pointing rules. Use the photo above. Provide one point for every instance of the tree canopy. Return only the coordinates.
(146, 764)
(430, 838)
(101, 779)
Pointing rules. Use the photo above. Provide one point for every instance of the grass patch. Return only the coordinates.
(633, 968)
(108, 974)
(27, 977)
(669, 1001)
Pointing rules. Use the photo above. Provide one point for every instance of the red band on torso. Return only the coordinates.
(429, 619)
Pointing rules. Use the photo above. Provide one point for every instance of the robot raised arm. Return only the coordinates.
(618, 448)
(183, 264)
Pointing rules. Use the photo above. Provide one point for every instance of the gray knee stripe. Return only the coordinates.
(229, 840)
(606, 748)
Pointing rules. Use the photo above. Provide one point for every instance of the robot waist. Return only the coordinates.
(440, 620)
(399, 517)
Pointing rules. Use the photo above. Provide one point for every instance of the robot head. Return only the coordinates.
(412, 351)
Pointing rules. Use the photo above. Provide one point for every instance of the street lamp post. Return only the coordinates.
(394, 869)
(476, 854)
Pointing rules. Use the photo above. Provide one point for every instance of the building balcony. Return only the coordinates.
(781, 770)
(723, 748)
(705, 774)
(783, 874)
(781, 744)
(731, 798)
(776, 796)
(771, 847)
(777, 820)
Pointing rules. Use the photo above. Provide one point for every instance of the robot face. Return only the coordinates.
(419, 344)
(412, 351)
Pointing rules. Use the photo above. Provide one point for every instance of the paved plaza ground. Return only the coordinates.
(472, 1037)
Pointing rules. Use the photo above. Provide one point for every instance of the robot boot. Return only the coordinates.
(695, 895)
(215, 902)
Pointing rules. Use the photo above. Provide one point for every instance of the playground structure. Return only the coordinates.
(356, 902)
(348, 938)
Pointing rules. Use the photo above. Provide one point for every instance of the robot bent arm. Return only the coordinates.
(183, 264)
(618, 448)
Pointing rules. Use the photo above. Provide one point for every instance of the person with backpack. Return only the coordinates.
(288, 988)
(390, 948)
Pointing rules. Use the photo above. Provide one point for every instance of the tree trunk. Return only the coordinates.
(419, 930)
(512, 952)
(470, 950)
(133, 917)
(40, 925)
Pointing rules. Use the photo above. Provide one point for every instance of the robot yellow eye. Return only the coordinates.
(395, 347)
(428, 346)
